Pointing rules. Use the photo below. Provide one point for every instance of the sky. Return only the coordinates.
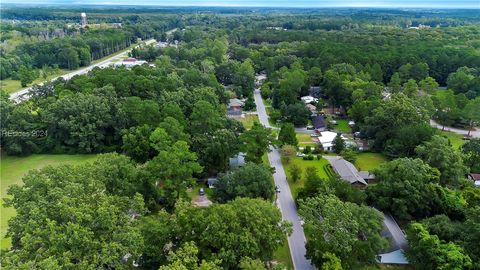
(272, 3)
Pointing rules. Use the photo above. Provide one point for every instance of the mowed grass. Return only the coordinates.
(282, 255)
(369, 161)
(305, 140)
(10, 86)
(342, 126)
(455, 139)
(248, 120)
(12, 170)
(303, 164)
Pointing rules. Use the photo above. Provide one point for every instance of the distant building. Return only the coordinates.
(83, 19)
(130, 62)
(235, 107)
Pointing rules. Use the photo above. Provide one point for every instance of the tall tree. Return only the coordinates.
(428, 252)
(287, 135)
(256, 142)
(250, 181)
(438, 153)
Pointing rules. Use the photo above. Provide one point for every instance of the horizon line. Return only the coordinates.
(257, 6)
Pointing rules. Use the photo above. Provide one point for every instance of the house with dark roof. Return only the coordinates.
(475, 177)
(319, 123)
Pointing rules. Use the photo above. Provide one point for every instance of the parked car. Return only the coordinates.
(310, 128)
(202, 191)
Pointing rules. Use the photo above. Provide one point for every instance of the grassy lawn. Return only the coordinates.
(248, 120)
(11, 86)
(455, 139)
(12, 169)
(305, 140)
(342, 126)
(303, 164)
(282, 255)
(369, 161)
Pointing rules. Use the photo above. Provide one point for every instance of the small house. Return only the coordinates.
(235, 107)
(211, 182)
(475, 177)
(237, 161)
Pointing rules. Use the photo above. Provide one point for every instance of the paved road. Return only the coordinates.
(296, 241)
(23, 94)
(473, 133)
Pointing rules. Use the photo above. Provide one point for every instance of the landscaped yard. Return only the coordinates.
(342, 126)
(12, 169)
(303, 164)
(248, 120)
(369, 161)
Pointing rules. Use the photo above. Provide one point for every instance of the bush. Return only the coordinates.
(309, 157)
(307, 150)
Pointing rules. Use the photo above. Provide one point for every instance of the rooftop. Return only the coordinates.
(345, 169)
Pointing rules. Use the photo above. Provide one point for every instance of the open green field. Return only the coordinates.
(248, 120)
(303, 164)
(10, 86)
(455, 139)
(342, 126)
(12, 169)
(369, 161)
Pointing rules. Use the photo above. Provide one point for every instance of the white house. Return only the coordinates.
(326, 139)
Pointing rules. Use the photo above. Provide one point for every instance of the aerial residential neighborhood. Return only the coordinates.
(240, 135)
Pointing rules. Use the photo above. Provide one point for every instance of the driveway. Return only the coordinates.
(297, 240)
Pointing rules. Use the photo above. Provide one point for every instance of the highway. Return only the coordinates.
(23, 94)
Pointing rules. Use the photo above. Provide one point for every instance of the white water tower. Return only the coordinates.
(83, 21)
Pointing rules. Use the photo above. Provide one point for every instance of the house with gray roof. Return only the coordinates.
(346, 170)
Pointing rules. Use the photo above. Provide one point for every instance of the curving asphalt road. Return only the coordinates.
(287, 206)
(473, 133)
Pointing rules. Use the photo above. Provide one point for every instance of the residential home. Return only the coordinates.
(237, 161)
(475, 177)
(326, 139)
(346, 170)
(235, 107)
(319, 123)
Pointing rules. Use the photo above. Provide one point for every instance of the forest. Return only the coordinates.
(161, 129)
